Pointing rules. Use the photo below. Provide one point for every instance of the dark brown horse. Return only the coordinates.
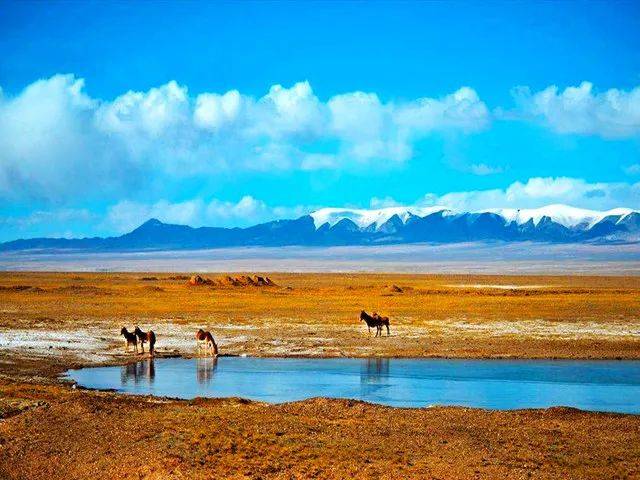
(375, 320)
(205, 339)
(149, 337)
(384, 321)
(129, 339)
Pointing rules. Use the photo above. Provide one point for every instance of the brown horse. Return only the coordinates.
(383, 321)
(146, 337)
(129, 339)
(375, 320)
(205, 339)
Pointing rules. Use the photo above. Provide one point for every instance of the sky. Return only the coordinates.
(235, 113)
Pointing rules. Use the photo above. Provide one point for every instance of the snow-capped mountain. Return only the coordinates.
(366, 218)
(394, 225)
(373, 219)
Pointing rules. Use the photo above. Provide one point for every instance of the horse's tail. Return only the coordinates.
(152, 342)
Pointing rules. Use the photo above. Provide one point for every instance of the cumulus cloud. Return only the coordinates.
(540, 191)
(49, 143)
(581, 110)
(53, 135)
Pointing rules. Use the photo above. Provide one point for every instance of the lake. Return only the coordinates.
(611, 386)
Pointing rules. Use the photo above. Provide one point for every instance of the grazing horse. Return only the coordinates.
(129, 339)
(383, 321)
(205, 339)
(146, 337)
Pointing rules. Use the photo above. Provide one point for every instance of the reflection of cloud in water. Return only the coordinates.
(205, 368)
(138, 372)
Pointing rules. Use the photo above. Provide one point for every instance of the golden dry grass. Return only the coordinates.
(51, 431)
(554, 316)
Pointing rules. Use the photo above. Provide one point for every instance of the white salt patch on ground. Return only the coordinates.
(57, 339)
(545, 329)
(84, 343)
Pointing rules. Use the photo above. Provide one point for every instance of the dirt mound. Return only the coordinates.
(21, 288)
(245, 281)
(196, 280)
(179, 277)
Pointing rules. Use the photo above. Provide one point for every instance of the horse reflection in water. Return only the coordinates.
(373, 375)
(205, 368)
(137, 372)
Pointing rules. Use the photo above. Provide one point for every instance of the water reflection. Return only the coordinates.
(205, 368)
(374, 370)
(138, 372)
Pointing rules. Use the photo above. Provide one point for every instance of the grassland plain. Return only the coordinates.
(50, 321)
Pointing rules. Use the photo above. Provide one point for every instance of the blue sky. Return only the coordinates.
(235, 113)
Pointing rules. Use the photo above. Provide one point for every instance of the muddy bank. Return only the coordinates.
(55, 432)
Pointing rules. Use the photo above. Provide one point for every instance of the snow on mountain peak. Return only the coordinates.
(562, 214)
(364, 217)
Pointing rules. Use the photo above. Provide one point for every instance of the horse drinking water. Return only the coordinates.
(205, 340)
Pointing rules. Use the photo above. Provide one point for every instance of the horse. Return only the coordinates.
(129, 339)
(205, 339)
(146, 337)
(371, 321)
(383, 321)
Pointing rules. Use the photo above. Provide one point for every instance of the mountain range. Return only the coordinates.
(393, 225)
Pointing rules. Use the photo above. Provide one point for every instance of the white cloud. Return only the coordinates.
(214, 112)
(54, 136)
(612, 114)
(462, 109)
(49, 144)
(540, 191)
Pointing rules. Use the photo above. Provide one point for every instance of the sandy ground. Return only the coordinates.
(51, 322)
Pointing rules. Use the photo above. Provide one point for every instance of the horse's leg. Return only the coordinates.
(388, 331)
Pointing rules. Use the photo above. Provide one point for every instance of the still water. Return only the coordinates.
(612, 386)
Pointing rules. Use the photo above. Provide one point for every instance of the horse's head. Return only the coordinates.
(363, 314)
(123, 331)
(137, 330)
